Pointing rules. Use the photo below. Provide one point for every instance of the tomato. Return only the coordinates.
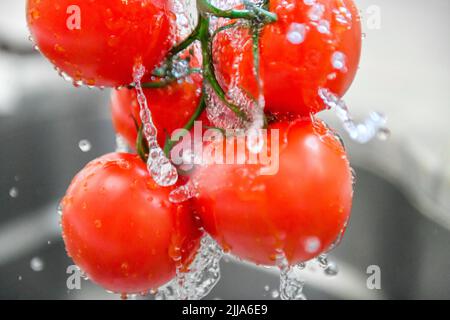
(120, 228)
(310, 46)
(299, 210)
(100, 42)
(172, 107)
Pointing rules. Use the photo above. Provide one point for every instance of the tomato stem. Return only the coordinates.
(253, 12)
(189, 125)
(209, 75)
(141, 145)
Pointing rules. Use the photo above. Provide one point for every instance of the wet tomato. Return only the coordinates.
(172, 107)
(298, 208)
(120, 228)
(312, 45)
(100, 42)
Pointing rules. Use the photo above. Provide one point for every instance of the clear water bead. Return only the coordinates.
(85, 145)
(36, 264)
(297, 33)
(13, 192)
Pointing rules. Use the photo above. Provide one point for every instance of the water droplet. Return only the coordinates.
(316, 12)
(323, 26)
(339, 61)
(296, 33)
(37, 264)
(312, 244)
(332, 269)
(13, 192)
(84, 145)
(275, 294)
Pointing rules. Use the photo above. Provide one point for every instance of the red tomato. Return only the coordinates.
(120, 228)
(301, 210)
(171, 107)
(100, 42)
(296, 54)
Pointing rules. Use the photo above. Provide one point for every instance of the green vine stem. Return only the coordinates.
(254, 13)
(258, 16)
(189, 125)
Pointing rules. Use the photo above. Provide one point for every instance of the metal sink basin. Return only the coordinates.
(40, 154)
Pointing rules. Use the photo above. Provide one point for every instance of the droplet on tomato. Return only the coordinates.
(316, 12)
(312, 244)
(296, 33)
(323, 26)
(339, 61)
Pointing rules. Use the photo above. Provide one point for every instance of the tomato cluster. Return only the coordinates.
(118, 225)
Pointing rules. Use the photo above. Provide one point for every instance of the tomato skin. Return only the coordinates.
(120, 228)
(291, 72)
(114, 36)
(309, 198)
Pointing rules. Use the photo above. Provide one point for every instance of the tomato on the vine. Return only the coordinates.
(300, 210)
(312, 45)
(172, 107)
(120, 228)
(101, 42)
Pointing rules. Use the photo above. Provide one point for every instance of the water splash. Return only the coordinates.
(330, 268)
(291, 286)
(202, 277)
(184, 193)
(373, 126)
(161, 169)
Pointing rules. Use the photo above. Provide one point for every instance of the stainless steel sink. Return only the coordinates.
(40, 154)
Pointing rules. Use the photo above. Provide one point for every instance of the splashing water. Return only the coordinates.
(329, 267)
(184, 193)
(373, 126)
(291, 286)
(203, 275)
(161, 169)
(217, 111)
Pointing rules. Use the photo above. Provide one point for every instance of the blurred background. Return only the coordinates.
(401, 218)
